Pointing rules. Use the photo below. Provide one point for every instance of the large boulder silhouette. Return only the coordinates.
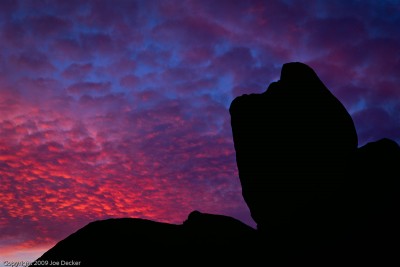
(318, 200)
(372, 203)
(292, 143)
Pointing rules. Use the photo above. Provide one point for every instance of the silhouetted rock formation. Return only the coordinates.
(372, 204)
(202, 238)
(317, 198)
(291, 144)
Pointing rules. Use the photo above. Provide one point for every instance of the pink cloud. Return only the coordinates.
(129, 81)
(189, 31)
(46, 26)
(77, 71)
(106, 14)
(89, 87)
(122, 65)
(197, 55)
(99, 43)
(67, 48)
(32, 62)
(341, 32)
(14, 34)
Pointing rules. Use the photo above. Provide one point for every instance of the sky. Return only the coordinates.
(120, 108)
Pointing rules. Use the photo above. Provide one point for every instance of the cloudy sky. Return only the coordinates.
(120, 108)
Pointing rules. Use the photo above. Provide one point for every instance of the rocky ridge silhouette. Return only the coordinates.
(317, 198)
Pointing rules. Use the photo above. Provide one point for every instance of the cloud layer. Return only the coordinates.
(120, 108)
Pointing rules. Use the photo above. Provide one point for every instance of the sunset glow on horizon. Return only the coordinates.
(120, 108)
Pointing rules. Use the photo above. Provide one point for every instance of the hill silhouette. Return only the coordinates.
(316, 197)
(202, 238)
